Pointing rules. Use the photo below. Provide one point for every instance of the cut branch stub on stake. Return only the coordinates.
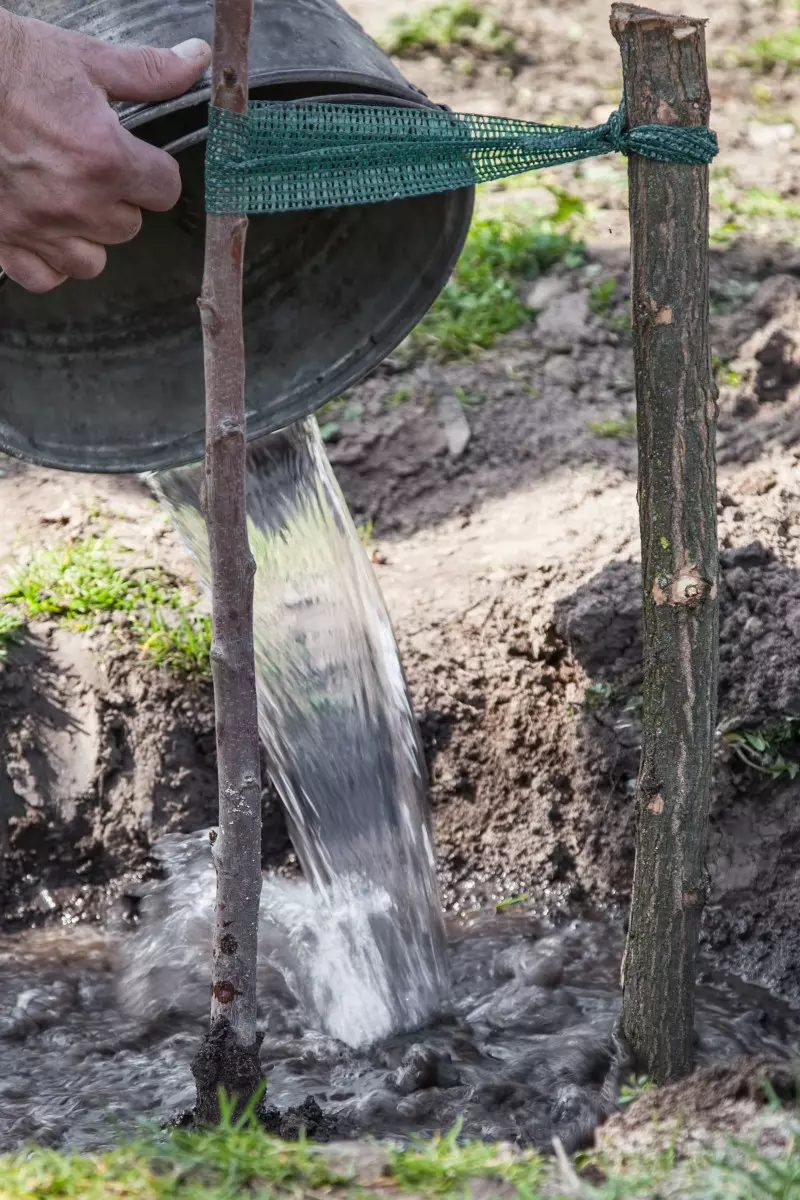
(664, 68)
(229, 1057)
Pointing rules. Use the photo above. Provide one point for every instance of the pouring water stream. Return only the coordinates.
(342, 743)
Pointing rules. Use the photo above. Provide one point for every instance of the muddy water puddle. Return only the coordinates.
(97, 1028)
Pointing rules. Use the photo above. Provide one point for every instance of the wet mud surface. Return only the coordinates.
(97, 1030)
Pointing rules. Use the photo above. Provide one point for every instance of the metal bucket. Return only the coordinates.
(107, 375)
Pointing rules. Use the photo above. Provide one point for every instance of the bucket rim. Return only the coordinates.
(132, 117)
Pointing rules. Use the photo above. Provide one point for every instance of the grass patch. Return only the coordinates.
(469, 400)
(447, 29)
(760, 202)
(365, 533)
(724, 233)
(614, 427)
(601, 297)
(511, 901)
(177, 638)
(603, 695)
(397, 398)
(76, 582)
(745, 1173)
(724, 373)
(482, 300)
(750, 211)
(771, 751)
(445, 1166)
(330, 431)
(781, 49)
(11, 629)
(633, 1088)
(238, 1160)
(217, 1164)
(84, 581)
(331, 415)
(599, 695)
(601, 303)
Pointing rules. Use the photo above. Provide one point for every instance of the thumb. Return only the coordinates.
(144, 73)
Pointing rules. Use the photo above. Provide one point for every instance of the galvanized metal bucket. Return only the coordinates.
(107, 375)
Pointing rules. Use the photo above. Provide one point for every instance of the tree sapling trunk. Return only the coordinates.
(664, 68)
(229, 1056)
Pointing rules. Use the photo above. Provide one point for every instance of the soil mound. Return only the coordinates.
(100, 755)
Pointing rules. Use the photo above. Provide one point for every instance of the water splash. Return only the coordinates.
(97, 1029)
(342, 744)
(317, 949)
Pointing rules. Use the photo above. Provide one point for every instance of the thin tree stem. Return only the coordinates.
(229, 1056)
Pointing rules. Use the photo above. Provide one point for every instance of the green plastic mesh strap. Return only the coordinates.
(283, 156)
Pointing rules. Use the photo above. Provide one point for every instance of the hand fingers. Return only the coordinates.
(144, 73)
(113, 225)
(121, 224)
(28, 269)
(152, 177)
(74, 257)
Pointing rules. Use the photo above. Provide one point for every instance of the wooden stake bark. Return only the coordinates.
(228, 1058)
(664, 67)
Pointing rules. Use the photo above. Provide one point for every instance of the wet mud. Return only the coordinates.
(97, 1030)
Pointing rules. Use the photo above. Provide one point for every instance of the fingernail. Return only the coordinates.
(192, 50)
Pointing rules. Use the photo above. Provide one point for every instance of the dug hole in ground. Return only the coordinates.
(497, 494)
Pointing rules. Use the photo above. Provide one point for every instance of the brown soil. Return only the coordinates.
(703, 1112)
(525, 599)
(101, 756)
(510, 569)
(92, 768)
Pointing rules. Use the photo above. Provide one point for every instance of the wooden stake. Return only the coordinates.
(664, 66)
(229, 1056)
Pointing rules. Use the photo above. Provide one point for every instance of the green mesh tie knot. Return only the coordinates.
(615, 131)
(286, 156)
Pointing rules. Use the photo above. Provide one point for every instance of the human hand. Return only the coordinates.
(72, 180)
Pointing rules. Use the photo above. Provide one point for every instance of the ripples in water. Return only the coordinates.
(97, 1029)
